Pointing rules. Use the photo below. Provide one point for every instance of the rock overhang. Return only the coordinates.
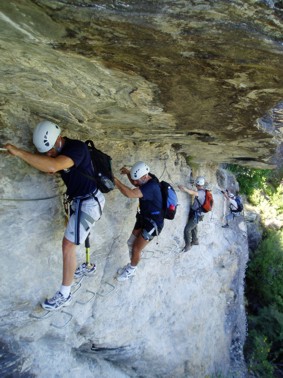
(197, 75)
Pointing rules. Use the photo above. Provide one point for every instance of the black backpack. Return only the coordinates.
(170, 200)
(240, 205)
(102, 168)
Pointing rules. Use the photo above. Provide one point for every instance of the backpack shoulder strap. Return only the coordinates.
(205, 190)
(87, 142)
(154, 177)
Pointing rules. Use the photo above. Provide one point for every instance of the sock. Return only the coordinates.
(65, 291)
(132, 267)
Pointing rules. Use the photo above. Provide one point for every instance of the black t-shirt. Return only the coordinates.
(77, 184)
(151, 202)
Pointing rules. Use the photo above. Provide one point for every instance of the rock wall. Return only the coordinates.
(195, 74)
(182, 314)
(184, 85)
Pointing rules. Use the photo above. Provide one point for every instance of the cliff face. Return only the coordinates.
(183, 85)
(194, 74)
(181, 315)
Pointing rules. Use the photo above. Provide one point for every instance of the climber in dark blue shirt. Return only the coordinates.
(149, 218)
(71, 159)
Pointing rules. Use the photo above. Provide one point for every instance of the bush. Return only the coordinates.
(257, 351)
(269, 322)
(250, 179)
(264, 283)
(264, 290)
(265, 181)
(265, 271)
(277, 200)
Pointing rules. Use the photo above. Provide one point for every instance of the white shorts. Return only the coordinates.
(90, 212)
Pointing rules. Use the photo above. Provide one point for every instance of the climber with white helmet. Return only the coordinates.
(195, 214)
(235, 206)
(149, 218)
(70, 158)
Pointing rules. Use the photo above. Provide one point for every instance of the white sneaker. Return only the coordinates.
(56, 302)
(125, 273)
(84, 270)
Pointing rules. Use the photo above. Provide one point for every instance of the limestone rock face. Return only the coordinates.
(181, 315)
(182, 85)
(203, 76)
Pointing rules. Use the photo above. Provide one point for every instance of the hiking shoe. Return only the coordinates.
(56, 302)
(225, 225)
(121, 270)
(195, 242)
(186, 248)
(125, 273)
(84, 270)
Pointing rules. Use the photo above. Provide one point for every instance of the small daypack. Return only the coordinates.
(170, 200)
(102, 168)
(239, 204)
(208, 202)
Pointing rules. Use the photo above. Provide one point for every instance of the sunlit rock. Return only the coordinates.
(183, 85)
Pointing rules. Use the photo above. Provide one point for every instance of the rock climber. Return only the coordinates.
(195, 214)
(69, 157)
(233, 206)
(149, 218)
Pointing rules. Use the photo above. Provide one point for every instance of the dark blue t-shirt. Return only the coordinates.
(151, 202)
(77, 184)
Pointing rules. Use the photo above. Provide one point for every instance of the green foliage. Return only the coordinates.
(264, 282)
(270, 208)
(264, 189)
(265, 271)
(276, 199)
(250, 179)
(257, 351)
(264, 290)
(269, 321)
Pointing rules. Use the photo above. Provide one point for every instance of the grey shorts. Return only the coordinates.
(82, 220)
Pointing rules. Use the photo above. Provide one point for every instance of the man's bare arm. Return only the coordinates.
(128, 192)
(41, 162)
(189, 191)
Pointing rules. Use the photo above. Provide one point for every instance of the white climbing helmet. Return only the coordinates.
(45, 135)
(200, 181)
(138, 170)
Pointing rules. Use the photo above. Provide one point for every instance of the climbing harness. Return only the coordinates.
(155, 228)
(80, 216)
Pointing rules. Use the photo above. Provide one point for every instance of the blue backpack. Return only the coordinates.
(170, 200)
